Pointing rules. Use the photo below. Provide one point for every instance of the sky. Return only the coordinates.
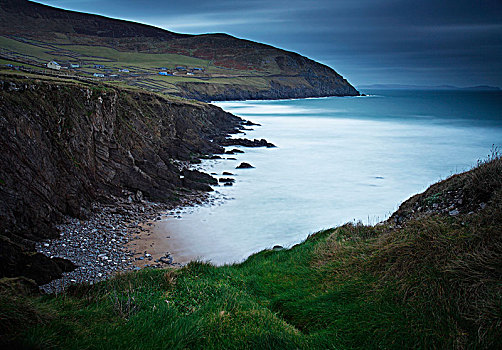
(421, 42)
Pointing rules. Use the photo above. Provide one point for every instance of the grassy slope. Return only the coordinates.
(433, 282)
(145, 64)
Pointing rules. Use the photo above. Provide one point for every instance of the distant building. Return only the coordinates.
(99, 75)
(198, 69)
(113, 75)
(99, 66)
(189, 73)
(74, 65)
(181, 68)
(163, 73)
(163, 68)
(54, 65)
(125, 70)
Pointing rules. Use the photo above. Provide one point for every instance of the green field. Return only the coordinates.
(143, 67)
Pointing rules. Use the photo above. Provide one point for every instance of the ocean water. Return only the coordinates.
(337, 160)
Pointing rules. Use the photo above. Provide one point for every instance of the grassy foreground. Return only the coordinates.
(433, 281)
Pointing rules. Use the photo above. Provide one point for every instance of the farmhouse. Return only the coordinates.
(54, 65)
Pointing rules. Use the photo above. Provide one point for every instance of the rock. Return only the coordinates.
(244, 165)
(227, 173)
(482, 205)
(233, 151)
(244, 142)
(226, 180)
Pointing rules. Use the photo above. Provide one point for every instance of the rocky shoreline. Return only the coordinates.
(97, 246)
(103, 244)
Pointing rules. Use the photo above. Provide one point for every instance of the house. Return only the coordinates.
(99, 66)
(163, 68)
(54, 65)
(189, 73)
(162, 73)
(125, 70)
(181, 68)
(74, 65)
(198, 69)
(99, 75)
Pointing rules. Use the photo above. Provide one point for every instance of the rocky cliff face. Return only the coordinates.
(284, 88)
(66, 145)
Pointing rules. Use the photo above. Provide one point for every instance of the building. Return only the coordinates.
(74, 65)
(54, 65)
(181, 68)
(163, 68)
(125, 70)
(198, 69)
(99, 66)
(99, 75)
(163, 73)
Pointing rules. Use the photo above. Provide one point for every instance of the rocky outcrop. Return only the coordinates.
(243, 142)
(65, 146)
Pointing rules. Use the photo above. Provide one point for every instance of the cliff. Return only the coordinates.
(66, 145)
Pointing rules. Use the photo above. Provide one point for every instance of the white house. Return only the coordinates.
(54, 65)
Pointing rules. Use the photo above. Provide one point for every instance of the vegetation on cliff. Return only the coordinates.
(429, 277)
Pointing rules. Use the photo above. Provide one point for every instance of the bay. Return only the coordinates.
(338, 160)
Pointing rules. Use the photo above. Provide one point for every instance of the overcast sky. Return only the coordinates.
(426, 42)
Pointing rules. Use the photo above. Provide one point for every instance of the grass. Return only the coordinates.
(145, 65)
(434, 282)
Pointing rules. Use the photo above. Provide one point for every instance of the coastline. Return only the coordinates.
(129, 238)
(100, 256)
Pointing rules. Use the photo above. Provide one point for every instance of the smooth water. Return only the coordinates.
(337, 160)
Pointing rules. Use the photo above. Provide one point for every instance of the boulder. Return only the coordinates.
(244, 165)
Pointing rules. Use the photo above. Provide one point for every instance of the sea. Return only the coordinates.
(337, 160)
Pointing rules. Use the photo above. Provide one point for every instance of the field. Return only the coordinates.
(143, 68)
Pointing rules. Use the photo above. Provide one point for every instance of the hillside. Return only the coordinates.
(429, 280)
(204, 67)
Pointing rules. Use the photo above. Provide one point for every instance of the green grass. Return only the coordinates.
(435, 282)
(146, 64)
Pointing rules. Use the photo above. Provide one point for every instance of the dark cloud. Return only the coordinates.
(386, 41)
